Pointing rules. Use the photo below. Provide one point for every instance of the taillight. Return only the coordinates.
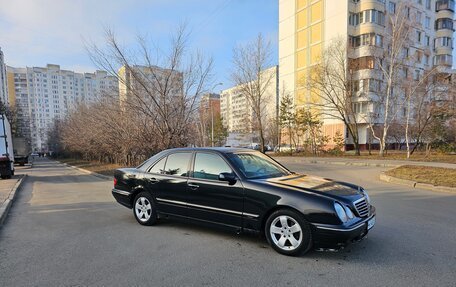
(115, 181)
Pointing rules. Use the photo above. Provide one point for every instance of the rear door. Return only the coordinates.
(167, 182)
(210, 199)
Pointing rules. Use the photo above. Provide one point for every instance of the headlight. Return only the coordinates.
(349, 213)
(340, 212)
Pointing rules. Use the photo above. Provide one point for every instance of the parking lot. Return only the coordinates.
(66, 229)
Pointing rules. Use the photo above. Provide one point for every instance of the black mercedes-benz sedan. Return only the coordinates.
(246, 190)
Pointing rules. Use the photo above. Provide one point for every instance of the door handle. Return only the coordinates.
(193, 186)
(152, 180)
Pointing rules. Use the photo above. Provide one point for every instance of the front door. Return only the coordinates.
(167, 182)
(210, 199)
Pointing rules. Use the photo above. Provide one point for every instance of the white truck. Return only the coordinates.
(6, 148)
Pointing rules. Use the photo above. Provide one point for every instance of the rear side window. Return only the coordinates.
(209, 166)
(177, 163)
(159, 167)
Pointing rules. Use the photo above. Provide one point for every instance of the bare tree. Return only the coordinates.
(332, 81)
(391, 62)
(418, 95)
(249, 74)
(163, 87)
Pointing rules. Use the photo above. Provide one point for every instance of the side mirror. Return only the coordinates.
(226, 176)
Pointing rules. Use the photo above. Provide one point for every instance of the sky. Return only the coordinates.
(34, 33)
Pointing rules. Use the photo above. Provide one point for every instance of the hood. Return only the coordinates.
(319, 185)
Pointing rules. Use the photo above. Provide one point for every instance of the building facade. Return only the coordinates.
(209, 113)
(3, 81)
(237, 114)
(307, 27)
(42, 94)
(149, 81)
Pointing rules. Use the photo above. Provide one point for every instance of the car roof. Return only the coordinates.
(217, 149)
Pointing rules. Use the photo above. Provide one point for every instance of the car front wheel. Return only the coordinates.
(288, 232)
(144, 209)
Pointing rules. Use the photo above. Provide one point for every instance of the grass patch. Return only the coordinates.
(424, 174)
(98, 167)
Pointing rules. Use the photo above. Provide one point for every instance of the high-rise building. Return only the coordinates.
(307, 27)
(146, 81)
(3, 81)
(237, 113)
(41, 95)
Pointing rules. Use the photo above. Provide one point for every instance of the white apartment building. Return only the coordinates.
(306, 27)
(237, 114)
(42, 95)
(3, 81)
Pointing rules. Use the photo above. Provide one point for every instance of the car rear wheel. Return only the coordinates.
(144, 209)
(288, 232)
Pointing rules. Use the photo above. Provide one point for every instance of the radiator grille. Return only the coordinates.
(362, 207)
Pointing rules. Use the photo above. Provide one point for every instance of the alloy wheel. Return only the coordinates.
(143, 209)
(286, 233)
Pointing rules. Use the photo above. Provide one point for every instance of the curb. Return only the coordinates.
(102, 176)
(5, 207)
(415, 184)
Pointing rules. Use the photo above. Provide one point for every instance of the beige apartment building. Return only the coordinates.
(306, 27)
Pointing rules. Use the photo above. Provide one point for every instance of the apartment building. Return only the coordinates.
(3, 83)
(237, 114)
(307, 27)
(42, 94)
(145, 81)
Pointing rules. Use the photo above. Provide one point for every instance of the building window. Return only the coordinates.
(427, 40)
(428, 4)
(426, 59)
(418, 36)
(427, 22)
(392, 7)
(416, 75)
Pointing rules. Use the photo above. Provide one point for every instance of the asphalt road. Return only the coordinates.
(65, 229)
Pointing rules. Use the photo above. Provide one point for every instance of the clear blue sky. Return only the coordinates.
(37, 32)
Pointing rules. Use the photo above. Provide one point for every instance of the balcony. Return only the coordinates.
(444, 23)
(444, 5)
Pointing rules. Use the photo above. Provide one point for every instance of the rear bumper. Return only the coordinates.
(123, 197)
(333, 236)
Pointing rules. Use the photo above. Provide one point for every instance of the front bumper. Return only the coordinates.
(337, 236)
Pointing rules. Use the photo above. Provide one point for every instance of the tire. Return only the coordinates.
(288, 232)
(144, 209)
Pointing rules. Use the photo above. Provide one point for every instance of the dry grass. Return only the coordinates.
(392, 155)
(98, 167)
(432, 175)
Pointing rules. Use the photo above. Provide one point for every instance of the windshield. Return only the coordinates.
(257, 165)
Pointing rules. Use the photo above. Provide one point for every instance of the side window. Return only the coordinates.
(159, 167)
(209, 166)
(177, 163)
